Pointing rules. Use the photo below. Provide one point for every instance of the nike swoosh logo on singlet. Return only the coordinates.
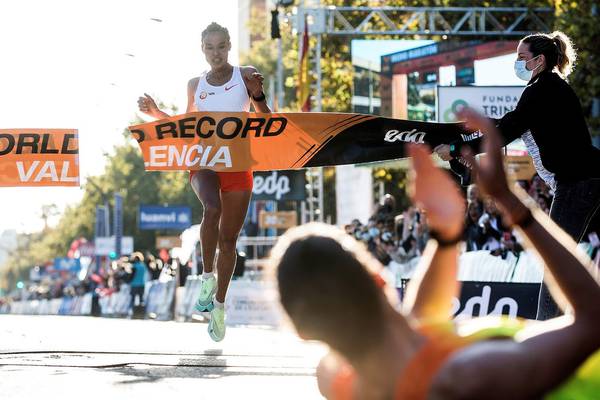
(231, 87)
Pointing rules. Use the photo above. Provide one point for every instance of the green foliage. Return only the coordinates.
(575, 19)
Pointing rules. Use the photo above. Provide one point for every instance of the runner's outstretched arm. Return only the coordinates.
(533, 367)
(148, 106)
(554, 246)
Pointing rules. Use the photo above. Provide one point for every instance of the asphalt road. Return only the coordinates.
(57, 357)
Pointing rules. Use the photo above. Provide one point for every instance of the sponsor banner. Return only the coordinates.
(492, 101)
(105, 245)
(39, 157)
(497, 298)
(279, 185)
(520, 167)
(67, 264)
(252, 303)
(227, 141)
(168, 242)
(159, 217)
(517, 167)
(478, 299)
(277, 219)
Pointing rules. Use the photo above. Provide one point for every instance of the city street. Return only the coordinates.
(92, 358)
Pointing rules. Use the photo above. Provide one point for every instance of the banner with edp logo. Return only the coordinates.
(279, 185)
(224, 141)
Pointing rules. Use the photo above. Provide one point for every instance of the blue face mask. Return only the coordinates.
(521, 69)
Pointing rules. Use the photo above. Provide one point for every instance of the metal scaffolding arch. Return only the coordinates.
(409, 21)
(415, 21)
(427, 21)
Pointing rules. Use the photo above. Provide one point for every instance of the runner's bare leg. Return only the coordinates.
(234, 206)
(207, 187)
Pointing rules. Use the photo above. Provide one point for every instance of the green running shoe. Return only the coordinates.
(216, 326)
(208, 288)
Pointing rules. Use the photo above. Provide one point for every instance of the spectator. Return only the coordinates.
(138, 281)
(474, 236)
(387, 209)
(154, 265)
(473, 195)
(491, 225)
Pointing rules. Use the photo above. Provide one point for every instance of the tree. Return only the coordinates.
(579, 20)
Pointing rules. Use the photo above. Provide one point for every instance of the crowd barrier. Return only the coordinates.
(159, 298)
(484, 267)
(185, 306)
(79, 305)
(116, 304)
(248, 302)
(491, 285)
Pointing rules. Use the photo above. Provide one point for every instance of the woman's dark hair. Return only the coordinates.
(214, 27)
(326, 287)
(556, 47)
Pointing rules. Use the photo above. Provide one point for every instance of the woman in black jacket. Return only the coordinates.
(550, 121)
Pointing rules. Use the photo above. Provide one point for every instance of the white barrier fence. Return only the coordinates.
(254, 302)
(80, 305)
(159, 299)
(116, 304)
(185, 306)
(248, 302)
(483, 267)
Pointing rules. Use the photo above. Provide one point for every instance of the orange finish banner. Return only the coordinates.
(229, 141)
(225, 141)
(39, 157)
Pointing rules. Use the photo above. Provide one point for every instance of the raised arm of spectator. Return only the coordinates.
(433, 285)
(553, 245)
(527, 369)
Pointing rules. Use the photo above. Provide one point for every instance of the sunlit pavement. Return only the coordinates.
(91, 358)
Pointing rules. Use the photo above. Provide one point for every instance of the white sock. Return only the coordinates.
(218, 304)
(207, 275)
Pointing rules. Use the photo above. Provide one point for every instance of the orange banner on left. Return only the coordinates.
(39, 157)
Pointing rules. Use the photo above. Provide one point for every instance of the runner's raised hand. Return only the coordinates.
(254, 83)
(148, 106)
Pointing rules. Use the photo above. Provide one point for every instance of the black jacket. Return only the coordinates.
(550, 109)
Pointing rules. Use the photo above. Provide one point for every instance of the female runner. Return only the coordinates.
(224, 195)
